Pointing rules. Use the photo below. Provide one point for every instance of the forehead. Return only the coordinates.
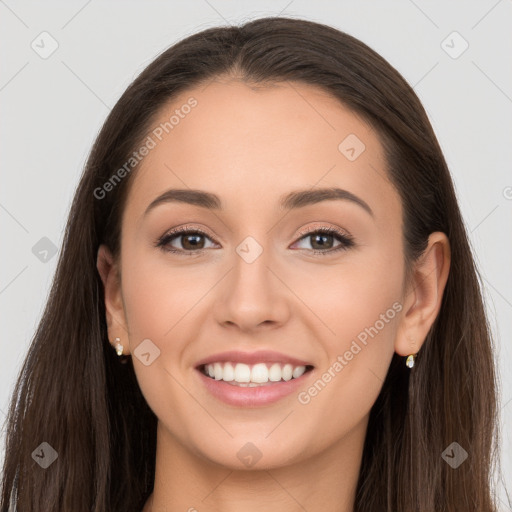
(252, 144)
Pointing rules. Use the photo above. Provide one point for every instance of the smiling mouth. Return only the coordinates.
(255, 375)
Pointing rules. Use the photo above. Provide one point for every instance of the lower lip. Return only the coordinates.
(252, 397)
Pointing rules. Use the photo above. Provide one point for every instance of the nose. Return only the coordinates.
(252, 297)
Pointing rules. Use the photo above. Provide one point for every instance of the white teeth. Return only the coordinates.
(275, 372)
(251, 376)
(228, 373)
(242, 373)
(259, 373)
(298, 371)
(217, 371)
(287, 371)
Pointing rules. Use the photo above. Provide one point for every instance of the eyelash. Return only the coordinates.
(347, 241)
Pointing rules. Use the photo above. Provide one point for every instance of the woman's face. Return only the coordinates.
(255, 282)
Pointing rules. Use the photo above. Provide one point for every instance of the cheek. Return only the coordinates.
(157, 300)
(158, 296)
(159, 303)
(355, 298)
(357, 308)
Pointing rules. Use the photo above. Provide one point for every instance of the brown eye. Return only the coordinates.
(323, 240)
(191, 241)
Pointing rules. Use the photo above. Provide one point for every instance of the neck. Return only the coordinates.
(326, 481)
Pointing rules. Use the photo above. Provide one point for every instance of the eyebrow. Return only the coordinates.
(290, 201)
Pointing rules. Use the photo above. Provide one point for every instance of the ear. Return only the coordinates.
(115, 315)
(424, 295)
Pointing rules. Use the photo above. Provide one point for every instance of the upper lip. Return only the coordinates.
(252, 358)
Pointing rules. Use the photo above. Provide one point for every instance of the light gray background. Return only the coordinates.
(53, 108)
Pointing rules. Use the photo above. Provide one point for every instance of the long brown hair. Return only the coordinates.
(73, 394)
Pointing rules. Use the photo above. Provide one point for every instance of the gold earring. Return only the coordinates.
(410, 360)
(119, 347)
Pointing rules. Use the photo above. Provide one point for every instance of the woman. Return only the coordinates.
(266, 234)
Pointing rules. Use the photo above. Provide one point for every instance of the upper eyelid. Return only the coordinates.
(323, 227)
(183, 230)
